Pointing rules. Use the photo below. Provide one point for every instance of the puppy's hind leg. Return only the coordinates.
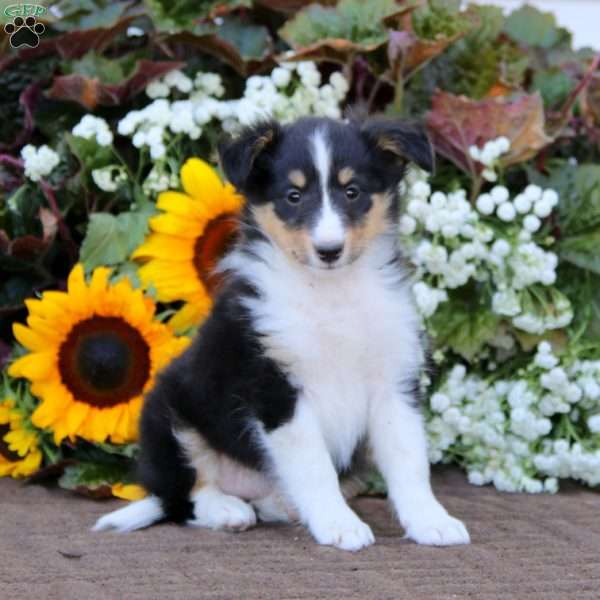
(216, 510)
(212, 507)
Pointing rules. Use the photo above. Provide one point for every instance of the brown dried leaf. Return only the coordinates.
(590, 101)
(212, 44)
(92, 92)
(458, 122)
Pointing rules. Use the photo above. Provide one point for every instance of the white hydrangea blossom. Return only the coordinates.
(521, 434)
(488, 156)
(199, 103)
(160, 179)
(39, 162)
(452, 242)
(109, 178)
(91, 127)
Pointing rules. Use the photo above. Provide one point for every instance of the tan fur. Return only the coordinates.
(389, 145)
(345, 175)
(215, 469)
(376, 222)
(297, 177)
(294, 242)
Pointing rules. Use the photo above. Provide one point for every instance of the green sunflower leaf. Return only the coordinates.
(111, 239)
(92, 478)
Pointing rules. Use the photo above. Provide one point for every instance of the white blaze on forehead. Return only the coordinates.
(329, 229)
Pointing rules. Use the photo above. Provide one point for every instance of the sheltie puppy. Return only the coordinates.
(313, 350)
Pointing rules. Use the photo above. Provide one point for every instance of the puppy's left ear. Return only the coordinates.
(405, 140)
(240, 156)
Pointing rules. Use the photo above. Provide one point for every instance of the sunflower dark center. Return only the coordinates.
(218, 237)
(5, 451)
(104, 361)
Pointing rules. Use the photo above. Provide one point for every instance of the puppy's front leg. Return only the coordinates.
(306, 472)
(397, 435)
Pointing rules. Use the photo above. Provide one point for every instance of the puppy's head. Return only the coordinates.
(320, 189)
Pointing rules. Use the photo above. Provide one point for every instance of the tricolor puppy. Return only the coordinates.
(312, 352)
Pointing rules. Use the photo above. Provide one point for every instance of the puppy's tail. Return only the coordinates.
(136, 515)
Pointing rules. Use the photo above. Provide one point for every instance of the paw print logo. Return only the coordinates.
(24, 32)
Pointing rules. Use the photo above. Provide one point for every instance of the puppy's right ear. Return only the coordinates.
(240, 155)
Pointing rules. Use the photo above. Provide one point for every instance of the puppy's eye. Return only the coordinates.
(293, 196)
(352, 192)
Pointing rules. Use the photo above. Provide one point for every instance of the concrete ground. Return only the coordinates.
(529, 547)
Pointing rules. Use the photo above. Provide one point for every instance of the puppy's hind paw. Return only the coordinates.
(438, 530)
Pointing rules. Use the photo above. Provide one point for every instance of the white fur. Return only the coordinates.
(349, 338)
(216, 510)
(329, 229)
(136, 515)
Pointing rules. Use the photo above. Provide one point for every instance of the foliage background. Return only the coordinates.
(472, 75)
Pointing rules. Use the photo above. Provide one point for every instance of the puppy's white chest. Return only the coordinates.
(344, 340)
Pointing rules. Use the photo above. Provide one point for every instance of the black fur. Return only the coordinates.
(220, 387)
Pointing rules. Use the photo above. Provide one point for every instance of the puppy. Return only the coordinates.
(313, 349)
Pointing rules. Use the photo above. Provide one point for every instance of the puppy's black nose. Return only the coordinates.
(329, 254)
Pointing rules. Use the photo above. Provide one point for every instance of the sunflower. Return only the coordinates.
(94, 352)
(188, 239)
(19, 452)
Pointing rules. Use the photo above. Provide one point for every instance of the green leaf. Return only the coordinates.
(532, 27)
(95, 66)
(111, 239)
(439, 18)
(89, 153)
(464, 328)
(582, 250)
(554, 85)
(92, 478)
(251, 41)
(351, 20)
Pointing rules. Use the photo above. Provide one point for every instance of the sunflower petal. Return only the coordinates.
(200, 180)
(37, 365)
(31, 339)
(191, 314)
(128, 491)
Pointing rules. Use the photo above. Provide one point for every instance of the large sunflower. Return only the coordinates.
(94, 351)
(20, 455)
(188, 239)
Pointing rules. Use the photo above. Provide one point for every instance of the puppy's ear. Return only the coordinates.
(405, 140)
(239, 155)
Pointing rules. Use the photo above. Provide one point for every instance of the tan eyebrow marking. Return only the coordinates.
(297, 177)
(345, 175)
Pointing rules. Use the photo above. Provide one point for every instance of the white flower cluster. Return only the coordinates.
(91, 127)
(39, 162)
(160, 179)
(451, 242)
(488, 156)
(292, 90)
(109, 178)
(521, 434)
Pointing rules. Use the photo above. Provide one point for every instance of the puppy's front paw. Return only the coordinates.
(346, 532)
(437, 528)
